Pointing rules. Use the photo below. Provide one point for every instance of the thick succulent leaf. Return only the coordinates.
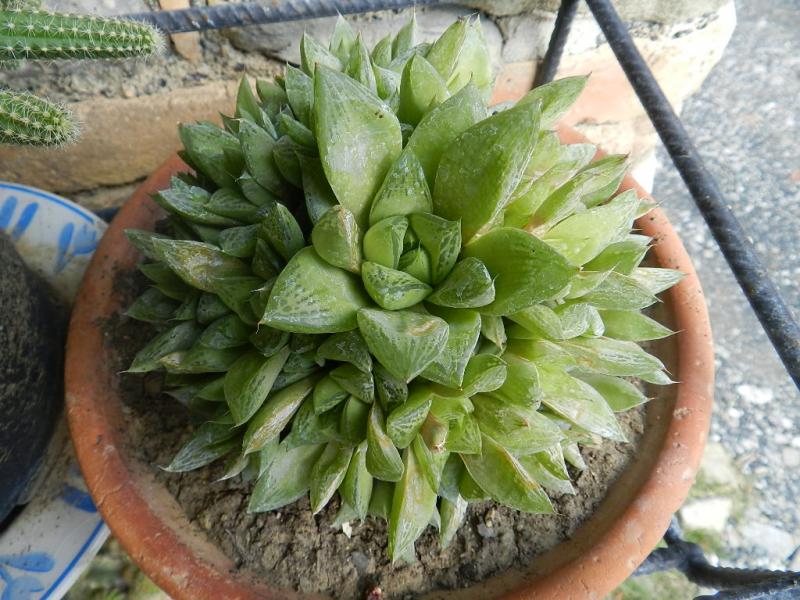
(312, 54)
(337, 239)
(213, 151)
(391, 390)
(349, 347)
(249, 381)
(421, 89)
(355, 382)
(469, 285)
(273, 97)
(593, 184)
(236, 292)
(228, 331)
(382, 52)
(404, 342)
(464, 328)
(213, 391)
(239, 241)
(275, 414)
(406, 37)
(526, 270)
(257, 148)
(464, 436)
(557, 97)
(317, 191)
(392, 289)
(200, 360)
(431, 460)
(417, 263)
(210, 308)
(581, 237)
(179, 337)
(405, 421)
(579, 318)
(585, 282)
(328, 474)
(286, 479)
(484, 373)
(311, 296)
(494, 330)
(623, 256)
(356, 489)
(612, 357)
(268, 340)
(230, 203)
(300, 92)
(353, 421)
(620, 394)
(445, 51)
(502, 476)
(383, 242)
(497, 150)
(327, 394)
(632, 326)
(142, 240)
(442, 125)
(521, 385)
(247, 106)
(413, 504)
(441, 238)
(359, 67)
(383, 460)
(656, 280)
(474, 62)
(255, 193)
(620, 292)
(578, 402)
(447, 405)
(201, 265)
(452, 515)
(358, 137)
(549, 469)
(522, 429)
(286, 154)
(189, 203)
(388, 84)
(404, 190)
(540, 320)
(208, 443)
(299, 133)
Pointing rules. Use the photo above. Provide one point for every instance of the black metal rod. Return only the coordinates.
(752, 276)
(221, 16)
(558, 39)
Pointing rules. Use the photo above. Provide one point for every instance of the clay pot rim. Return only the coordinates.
(188, 569)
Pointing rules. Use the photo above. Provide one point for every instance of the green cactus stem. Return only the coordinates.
(26, 119)
(36, 34)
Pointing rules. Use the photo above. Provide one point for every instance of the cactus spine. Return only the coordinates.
(36, 34)
(26, 119)
(26, 33)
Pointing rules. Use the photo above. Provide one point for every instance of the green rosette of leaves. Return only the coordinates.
(374, 285)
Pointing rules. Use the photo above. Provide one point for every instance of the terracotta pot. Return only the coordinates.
(604, 551)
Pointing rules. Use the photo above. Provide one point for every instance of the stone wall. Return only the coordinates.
(129, 110)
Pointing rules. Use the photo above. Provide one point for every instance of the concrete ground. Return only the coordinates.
(746, 125)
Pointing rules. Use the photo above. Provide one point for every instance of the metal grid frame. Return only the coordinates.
(765, 300)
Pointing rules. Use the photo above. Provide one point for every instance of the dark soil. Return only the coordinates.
(294, 549)
(32, 328)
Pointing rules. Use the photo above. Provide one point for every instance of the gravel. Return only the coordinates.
(745, 123)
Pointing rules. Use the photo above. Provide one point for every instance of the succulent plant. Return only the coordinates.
(28, 33)
(373, 284)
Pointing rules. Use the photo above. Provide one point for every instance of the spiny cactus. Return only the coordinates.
(371, 285)
(26, 119)
(34, 34)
